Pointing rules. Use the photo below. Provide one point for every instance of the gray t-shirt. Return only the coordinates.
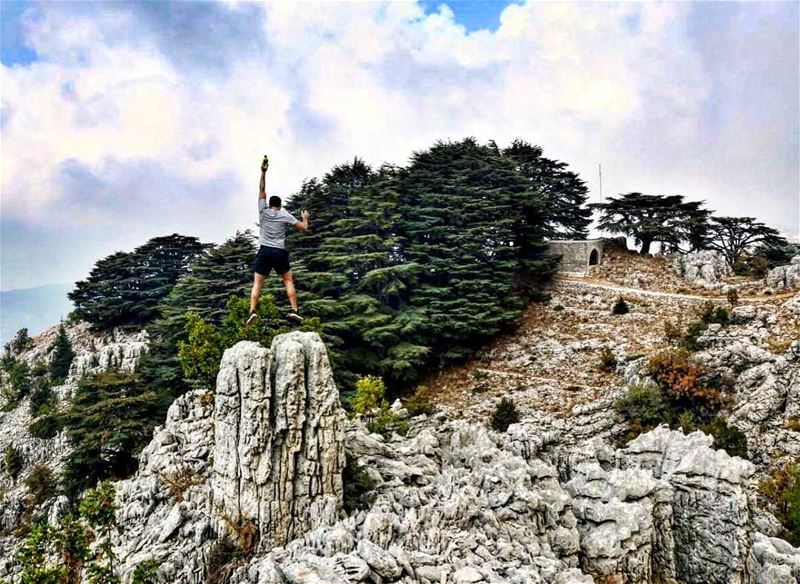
(273, 225)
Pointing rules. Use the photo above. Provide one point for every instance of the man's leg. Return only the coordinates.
(255, 293)
(288, 282)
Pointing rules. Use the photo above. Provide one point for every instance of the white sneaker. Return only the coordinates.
(293, 316)
(252, 318)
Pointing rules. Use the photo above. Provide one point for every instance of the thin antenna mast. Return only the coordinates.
(600, 175)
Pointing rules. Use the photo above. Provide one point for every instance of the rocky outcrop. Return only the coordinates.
(258, 462)
(787, 276)
(278, 438)
(702, 268)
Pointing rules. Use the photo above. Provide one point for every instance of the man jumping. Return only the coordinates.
(271, 253)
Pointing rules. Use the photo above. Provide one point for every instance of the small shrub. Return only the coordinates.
(672, 332)
(358, 486)
(385, 421)
(608, 362)
(420, 402)
(621, 307)
(21, 341)
(223, 559)
(710, 313)
(62, 356)
(13, 461)
(370, 393)
(778, 344)
(41, 484)
(480, 388)
(684, 383)
(180, 479)
(505, 414)
(759, 266)
(643, 404)
(558, 307)
(733, 296)
(782, 495)
(145, 573)
(728, 438)
(45, 427)
(793, 424)
(19, 379)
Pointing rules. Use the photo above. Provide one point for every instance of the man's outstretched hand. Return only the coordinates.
(265, 164)
(305, 215)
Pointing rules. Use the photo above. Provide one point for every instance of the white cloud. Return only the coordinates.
(623, 84)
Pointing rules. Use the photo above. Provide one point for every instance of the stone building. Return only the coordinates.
(578, 254)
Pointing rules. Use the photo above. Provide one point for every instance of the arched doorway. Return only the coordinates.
(594, 258)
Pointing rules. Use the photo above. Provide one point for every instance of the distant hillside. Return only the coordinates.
(35, 308)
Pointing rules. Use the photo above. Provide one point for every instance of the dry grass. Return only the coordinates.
(180, 479)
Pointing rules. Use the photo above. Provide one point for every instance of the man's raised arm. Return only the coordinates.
(262, 189)
(302, 225)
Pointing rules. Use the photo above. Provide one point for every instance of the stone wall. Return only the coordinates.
(578, 254)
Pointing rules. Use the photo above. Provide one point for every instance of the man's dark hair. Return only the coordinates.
(275, 201)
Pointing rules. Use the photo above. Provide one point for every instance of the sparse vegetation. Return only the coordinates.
(62, 356)
(781, 492)
(145, 573)
(358, 486)
(179, 479)
(231, 552)
(420, 402)
(608, 362)
(41, 484)
(732, 296)
(505, 414)
(728, 438)
(13, 461)
(620, 307)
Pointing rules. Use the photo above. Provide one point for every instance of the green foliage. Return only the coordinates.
(358, 486)
(777, 254)
(385, 421)
(55, 556)
(709, 313)
(110, 419)
(735, 236)
(62, 356)
(644, 405)
(420, 402)
(620, 307)
(563, 192)
(370, 393)
(781, 491)
(13, 461)
(42, 399)
(406, 268)
(728, 438)
(46, 426)
(669, 220)
(41, 483)
(686, 395)
(60, 555)
(21, 342)
(201, 353)
(125, 288)
(145, 573)
(505, 414)
(98, 508)
(20, 382)
(608, 362)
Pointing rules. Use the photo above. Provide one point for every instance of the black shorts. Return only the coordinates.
(268, 258)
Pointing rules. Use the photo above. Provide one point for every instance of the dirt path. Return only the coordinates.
(594, 283)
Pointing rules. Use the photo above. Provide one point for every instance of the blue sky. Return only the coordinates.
(122, 121)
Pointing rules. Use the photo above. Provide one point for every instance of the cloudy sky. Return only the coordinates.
(122, 121)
